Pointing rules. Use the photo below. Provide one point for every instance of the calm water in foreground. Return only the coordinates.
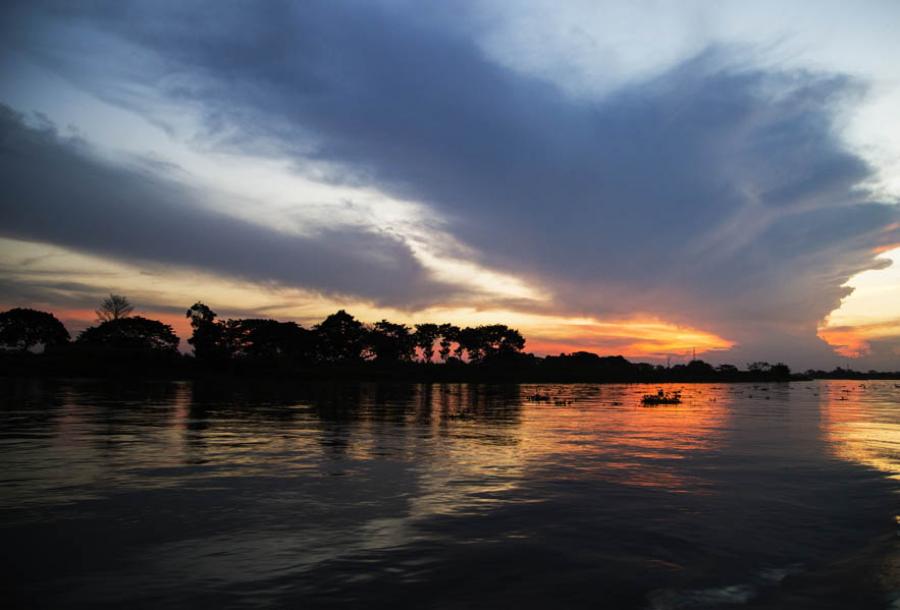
(448, 496)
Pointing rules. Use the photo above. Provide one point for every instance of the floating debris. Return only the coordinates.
(662, 398)
(537, 397)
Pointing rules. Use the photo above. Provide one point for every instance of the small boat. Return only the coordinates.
(662, 398)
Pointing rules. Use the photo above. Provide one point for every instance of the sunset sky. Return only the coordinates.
(640, 178)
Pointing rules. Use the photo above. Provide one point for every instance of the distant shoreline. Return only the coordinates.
(136, 365)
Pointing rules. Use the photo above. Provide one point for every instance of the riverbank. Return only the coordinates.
(118, 363)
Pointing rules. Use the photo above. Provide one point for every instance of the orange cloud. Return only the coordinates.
(635, 338)
(885, 248)
(853, 341)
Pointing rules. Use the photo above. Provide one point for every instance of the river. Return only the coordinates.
(256, 495)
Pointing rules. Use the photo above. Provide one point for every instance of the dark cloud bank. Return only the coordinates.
(56, 191)
(715, 196)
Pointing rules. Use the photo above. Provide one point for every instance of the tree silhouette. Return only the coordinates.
(759, 367)
(700, 368)
(391, 342)
(200, 313)
(133, 332)
(267, 340)
(340, 337)
(22, 329)
(499, 340)
(486, 342)
(114, 307)
(449, 336)
(468, 342)
(208, 334)
(780, 371)
(425, 337)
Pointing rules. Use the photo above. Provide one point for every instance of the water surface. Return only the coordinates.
(444, 496)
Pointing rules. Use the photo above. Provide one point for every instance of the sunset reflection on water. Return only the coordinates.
(350, 493)
(860, 423)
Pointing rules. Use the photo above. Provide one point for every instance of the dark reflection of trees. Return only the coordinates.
(39, 396)
(255, 406)
(121, 414)
(416, 412)
(28, 404)
(116, 411)
(415, 403)
(336, 402)
(245, 395)
(120, 410)
(497, 404)
(336, 408)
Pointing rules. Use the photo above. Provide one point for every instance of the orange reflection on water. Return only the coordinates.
(454, 448)
(859, 422)
(615, 438)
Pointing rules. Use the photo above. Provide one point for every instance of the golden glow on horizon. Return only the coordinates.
(870, 312)
(161, 292)
(639, 336)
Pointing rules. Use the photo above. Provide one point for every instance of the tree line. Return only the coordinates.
(339, 338)
(340, 346)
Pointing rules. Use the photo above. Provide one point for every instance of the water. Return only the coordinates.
(448, 496)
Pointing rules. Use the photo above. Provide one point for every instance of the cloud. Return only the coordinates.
(56, 191)
(714, 194)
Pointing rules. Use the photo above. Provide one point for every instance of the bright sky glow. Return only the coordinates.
(869, 313)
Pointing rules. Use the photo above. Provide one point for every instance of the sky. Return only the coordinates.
(644, 178)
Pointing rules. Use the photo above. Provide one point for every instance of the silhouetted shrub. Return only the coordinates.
(23, 329)
(131, 333)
